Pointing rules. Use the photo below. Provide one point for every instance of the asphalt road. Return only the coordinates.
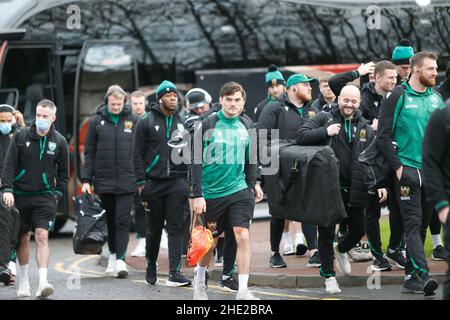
(77, 277)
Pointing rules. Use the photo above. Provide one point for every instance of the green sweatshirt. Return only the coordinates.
(411, 123)
(224, 158)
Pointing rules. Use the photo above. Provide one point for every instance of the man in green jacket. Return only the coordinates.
(403, 118)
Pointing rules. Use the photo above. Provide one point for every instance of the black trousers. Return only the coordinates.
(276, 233)
(8, 224)
(229, 251)
(435, 224)
(140, 217)
(118, 218)
(447, 257)
(356, 230)
(166, 200)
(373, 213)
(416, 213)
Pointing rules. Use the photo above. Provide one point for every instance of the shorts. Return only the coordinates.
(36, 212)
(235, 210)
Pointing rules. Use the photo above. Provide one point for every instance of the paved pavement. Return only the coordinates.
(296, 275)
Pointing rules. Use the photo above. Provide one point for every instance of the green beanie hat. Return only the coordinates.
(273, 76)
(403, 53)
(165, 87)
(298, 78)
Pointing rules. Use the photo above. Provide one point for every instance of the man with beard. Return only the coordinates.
(347, 145)
(276, 86)
(404, 115)
(401, 58)
(287, 115)
(372, 93)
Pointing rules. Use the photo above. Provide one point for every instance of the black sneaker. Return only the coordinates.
(150, 275)
(396, 259)
(5, 276)
(177, 279)
(276, 261)
(229, 284)
(314, 261)
(412, 284)
(438, 253)
(381, 264)
(429, 285)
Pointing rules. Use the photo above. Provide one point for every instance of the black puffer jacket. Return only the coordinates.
(109, 152)
(370, 102)
(347, 146)
(321, 105)
(152, 153)
(284, 116)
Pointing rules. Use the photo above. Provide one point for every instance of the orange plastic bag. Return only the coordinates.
(200, 243)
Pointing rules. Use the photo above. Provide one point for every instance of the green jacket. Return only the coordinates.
(403, 118)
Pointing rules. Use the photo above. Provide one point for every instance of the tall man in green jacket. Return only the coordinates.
(403, 118)
(224, 181)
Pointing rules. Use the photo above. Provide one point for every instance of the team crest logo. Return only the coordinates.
(51, 146)
(274, 81)
(311, 114)
(405, 192)
(362, 134)
(128, 125)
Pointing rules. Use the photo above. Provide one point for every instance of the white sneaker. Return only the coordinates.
(342, 261)
(300, 247)
(12, 268)
(361, 252)
(111, 268)
(246, 295)
(44, 290)
(332, 286)
(121, 269)
(288, 250)
(164, 244)
(24, 290)
(139, 251)
(200, 290)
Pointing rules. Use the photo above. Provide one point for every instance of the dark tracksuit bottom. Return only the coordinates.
(140, 217)
(8, 222)
(118, 218)
(276, 233)
(373, 213)
(356, 230)
(166, 200)
(229, 251)
(416, 213)
(435, 224)
(446, 226)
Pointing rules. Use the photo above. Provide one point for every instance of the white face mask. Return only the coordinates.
(5, 127)
(42, 124)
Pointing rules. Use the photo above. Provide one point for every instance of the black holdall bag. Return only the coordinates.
(306, 187)
(91, 231)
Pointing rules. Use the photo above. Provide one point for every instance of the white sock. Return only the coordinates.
(286, 238)
(225, 277)
(243, 281)
(23, 274)
(201, 273)
(42, 275)
(299, 238)
(436, 238)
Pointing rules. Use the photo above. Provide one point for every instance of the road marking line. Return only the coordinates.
(267, 293)
(59, 267)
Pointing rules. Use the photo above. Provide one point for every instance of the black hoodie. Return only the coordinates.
(285, 116)
(109, 152)
(152, 157)
(36, 165)
(355, 135)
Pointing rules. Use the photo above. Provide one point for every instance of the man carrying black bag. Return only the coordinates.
(347, 145)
